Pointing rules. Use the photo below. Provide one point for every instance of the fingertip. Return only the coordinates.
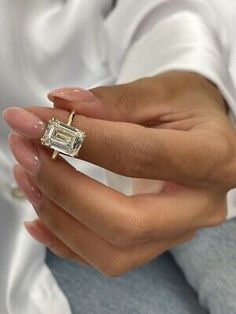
(17, 169)
(69, 94)
(7, 113)
(11, 139)
(24, 122)
(27, 185)
(34, 229)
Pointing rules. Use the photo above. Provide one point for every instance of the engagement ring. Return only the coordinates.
(63, 138)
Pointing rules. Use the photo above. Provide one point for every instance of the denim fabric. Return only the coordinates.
(156, 288)
(208, 263)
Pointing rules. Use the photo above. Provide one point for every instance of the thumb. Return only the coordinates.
(132, 102)
(81, 100)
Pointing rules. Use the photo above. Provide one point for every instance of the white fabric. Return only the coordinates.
(46, 44)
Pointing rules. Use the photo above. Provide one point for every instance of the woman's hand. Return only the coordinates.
(173, 127)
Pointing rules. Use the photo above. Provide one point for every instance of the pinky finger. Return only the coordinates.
(43, 235)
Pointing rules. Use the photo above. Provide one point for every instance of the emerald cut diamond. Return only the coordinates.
(63, 138)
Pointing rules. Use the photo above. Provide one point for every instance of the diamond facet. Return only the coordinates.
(63, 138)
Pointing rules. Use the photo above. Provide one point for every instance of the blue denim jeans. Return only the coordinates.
(195, 278)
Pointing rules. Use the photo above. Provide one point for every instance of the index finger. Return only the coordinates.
(128, 149)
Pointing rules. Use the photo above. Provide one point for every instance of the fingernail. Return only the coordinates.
(39, 232)
(25, 153)
(71, 94)
(24, 122)
(27, 185)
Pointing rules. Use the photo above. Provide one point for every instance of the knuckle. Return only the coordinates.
(220, 168)
(142, 157)
(119, 237)
(129, 232)
(50, 221)
(129, 164)
(216, 217)
(159, 86)
(112, 272)
(164, 90)
(53, 223)
(114, 268)
(227, 165)
(60, 252)
(219, 217)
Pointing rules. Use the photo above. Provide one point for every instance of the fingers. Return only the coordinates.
(110, 213)
(73, 234)
(42, 234)
(120, 220)
(180, 210)
(130, 149)
(100, 208)
(106, 258)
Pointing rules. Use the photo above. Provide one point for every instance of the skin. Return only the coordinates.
(173, 127)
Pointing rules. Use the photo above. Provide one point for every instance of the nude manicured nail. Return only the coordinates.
(71, 94)
(81, 100)
(25, 153)
(24, 122)
(27, 185)
(39, 232)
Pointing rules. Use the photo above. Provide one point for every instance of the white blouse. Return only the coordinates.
(51, 43)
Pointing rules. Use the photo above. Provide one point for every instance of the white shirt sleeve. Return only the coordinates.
(164, 35)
